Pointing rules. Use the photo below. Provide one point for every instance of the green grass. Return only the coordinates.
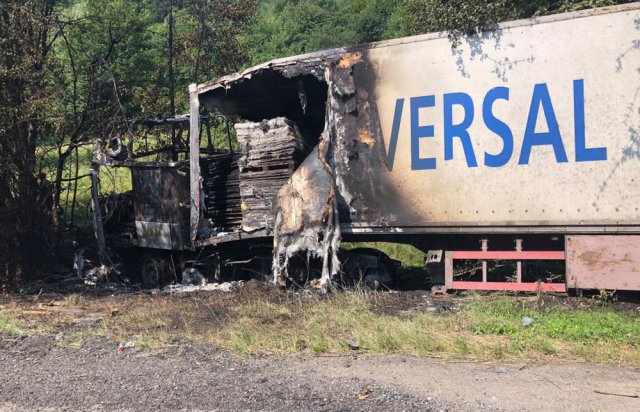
(485, 328)
(500, 316)
(409, 255)
(10, 325)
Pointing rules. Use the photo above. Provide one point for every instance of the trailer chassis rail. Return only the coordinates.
(518, 255)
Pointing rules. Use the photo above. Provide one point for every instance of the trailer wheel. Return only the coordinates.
(155, 270)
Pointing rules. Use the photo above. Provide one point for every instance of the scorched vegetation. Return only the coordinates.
(258, 320)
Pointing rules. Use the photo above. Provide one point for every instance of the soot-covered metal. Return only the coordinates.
(319, 96)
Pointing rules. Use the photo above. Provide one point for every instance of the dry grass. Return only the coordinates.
(262, 320)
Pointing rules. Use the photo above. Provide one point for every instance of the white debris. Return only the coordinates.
(192, 276)
(378, 278)
(78, 262)
(207, 287)
(127, 345)
(95, 275)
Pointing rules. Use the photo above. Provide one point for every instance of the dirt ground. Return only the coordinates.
(38, 375)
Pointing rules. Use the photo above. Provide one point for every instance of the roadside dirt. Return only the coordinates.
(37, 374)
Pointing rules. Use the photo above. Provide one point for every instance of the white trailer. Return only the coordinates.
(528, 131)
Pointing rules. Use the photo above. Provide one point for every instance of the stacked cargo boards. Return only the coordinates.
(271, 151)
(222, 191)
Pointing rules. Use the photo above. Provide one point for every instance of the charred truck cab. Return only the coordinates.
(520, 144)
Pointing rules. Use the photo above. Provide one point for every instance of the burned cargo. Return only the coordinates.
(271, 151)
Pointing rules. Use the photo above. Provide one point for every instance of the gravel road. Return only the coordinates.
(37, 374)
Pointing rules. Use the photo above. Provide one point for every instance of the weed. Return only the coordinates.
(75, 300)
(605, 297)
(11, 326)
(320, 345)
(72, 339)
(462, 347)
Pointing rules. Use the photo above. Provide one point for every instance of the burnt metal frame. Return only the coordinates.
(517, 255)
(149, 122)
(132, 161)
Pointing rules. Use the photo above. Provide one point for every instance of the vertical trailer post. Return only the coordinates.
(194, 160)
(485, 248)
(519, 263)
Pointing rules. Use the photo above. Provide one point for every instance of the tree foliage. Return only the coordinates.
(289, 27)
(472, 16)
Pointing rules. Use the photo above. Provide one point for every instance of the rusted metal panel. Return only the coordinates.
(603, 262)
(154, 235)
(159, 198)
(147, 194)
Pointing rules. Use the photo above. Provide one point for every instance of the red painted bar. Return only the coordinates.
(510, 286)
(509, 255)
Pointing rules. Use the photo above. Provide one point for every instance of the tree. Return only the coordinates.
(369, 19)
(101, 59)
(285, 28)
(210, 46)
(26, 41)
(472, 16)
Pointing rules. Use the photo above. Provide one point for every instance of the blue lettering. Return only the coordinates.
(458, 130)
(540, 100)
(583, 154)
(552, 137)
(498, 127)
(418, 132)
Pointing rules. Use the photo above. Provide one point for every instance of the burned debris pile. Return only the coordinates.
(271, 152)
(118, 217)
(222, 190)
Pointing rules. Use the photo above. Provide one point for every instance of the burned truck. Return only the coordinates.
(148, 227)
(519, 144)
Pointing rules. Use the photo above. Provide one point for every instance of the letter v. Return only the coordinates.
(376, 131)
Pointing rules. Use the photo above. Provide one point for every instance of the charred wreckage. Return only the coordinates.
(275, 166)
(253, 199)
